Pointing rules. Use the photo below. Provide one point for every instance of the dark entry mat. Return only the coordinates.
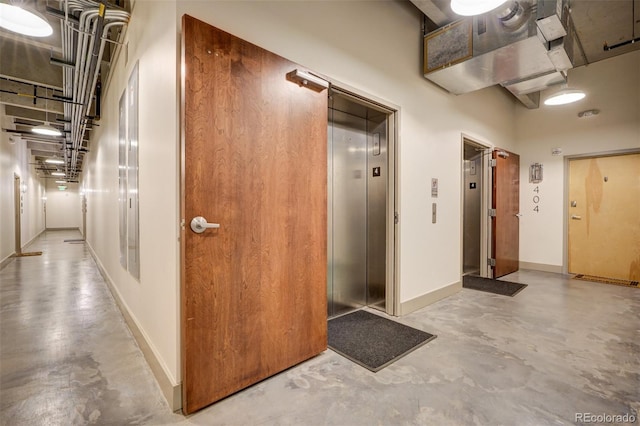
(373, 341)
(504, 288)
(602, 280)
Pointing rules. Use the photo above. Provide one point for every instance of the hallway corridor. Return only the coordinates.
(66, 354)
(558, 348)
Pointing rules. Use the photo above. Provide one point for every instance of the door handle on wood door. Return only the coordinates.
(576, 217)
(518, 215)
(199, 224)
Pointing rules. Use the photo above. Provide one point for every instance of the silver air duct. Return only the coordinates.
(521, 46)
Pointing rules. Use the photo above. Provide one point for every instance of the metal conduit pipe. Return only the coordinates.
(81, 76)
(79, 82)
(103, 42)
(90, 72)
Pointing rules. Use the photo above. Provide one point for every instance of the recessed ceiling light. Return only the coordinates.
(54, 160)
(61, 181)
(474, 7)
(23, 21)
(58, 174)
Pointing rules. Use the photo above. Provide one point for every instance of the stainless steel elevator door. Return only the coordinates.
(348, 210)
(472, 211)
(377, 181)
(357, 207)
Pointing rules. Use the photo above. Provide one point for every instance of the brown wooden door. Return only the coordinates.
(505, 226)
(254, 161)
(604, 216)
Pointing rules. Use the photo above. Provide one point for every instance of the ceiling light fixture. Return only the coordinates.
(58, 174)
(46, 128)
(23, 21)
(61, 181)
(54, 160)
(565, 96)
(474, 7)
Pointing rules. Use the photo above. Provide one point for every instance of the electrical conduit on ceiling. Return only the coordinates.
(79, 81)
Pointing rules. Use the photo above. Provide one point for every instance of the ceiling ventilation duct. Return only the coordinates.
(522, 46)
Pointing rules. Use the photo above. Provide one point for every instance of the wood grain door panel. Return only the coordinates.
(505, 226)
(254, 161)
(604, 224)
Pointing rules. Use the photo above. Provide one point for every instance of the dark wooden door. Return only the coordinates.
(505, 226)
(255, 162)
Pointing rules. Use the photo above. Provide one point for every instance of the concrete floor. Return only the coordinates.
(558, 348)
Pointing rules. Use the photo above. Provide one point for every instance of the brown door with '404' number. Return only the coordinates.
(505, 223)
(254, 163)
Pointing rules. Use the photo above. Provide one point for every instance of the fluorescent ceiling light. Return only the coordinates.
(474, 7)
(58, 174)
(565, 96)
(61, 181)
(22, 21)
(46, 129)
(54, 160)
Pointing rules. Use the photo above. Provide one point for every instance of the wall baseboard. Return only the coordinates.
(63, 229)
(33, 239)
(4, 262)
(172, 393)
(7, 260)
(541, 267)
(429, 298)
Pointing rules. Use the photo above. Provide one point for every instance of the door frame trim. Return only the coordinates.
(565, 195)
(17, 214)
(392, 291)
(485, 228)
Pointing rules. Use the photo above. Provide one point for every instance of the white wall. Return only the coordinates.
(375, 47)
(153, 301)
(63, 207)
(613, 87)
(15, 159)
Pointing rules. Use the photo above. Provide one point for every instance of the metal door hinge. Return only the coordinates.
(493, 162)
(492, 213)
(491, 262)
(182, 224)
(396, 218)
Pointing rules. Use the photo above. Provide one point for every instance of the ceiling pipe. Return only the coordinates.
(85, 30)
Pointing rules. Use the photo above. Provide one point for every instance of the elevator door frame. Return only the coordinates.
(392, 293)
(485, 197)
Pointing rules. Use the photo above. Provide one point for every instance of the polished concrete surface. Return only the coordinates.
(559, 348)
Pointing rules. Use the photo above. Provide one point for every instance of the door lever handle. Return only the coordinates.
(576, 217)
(199, 224)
